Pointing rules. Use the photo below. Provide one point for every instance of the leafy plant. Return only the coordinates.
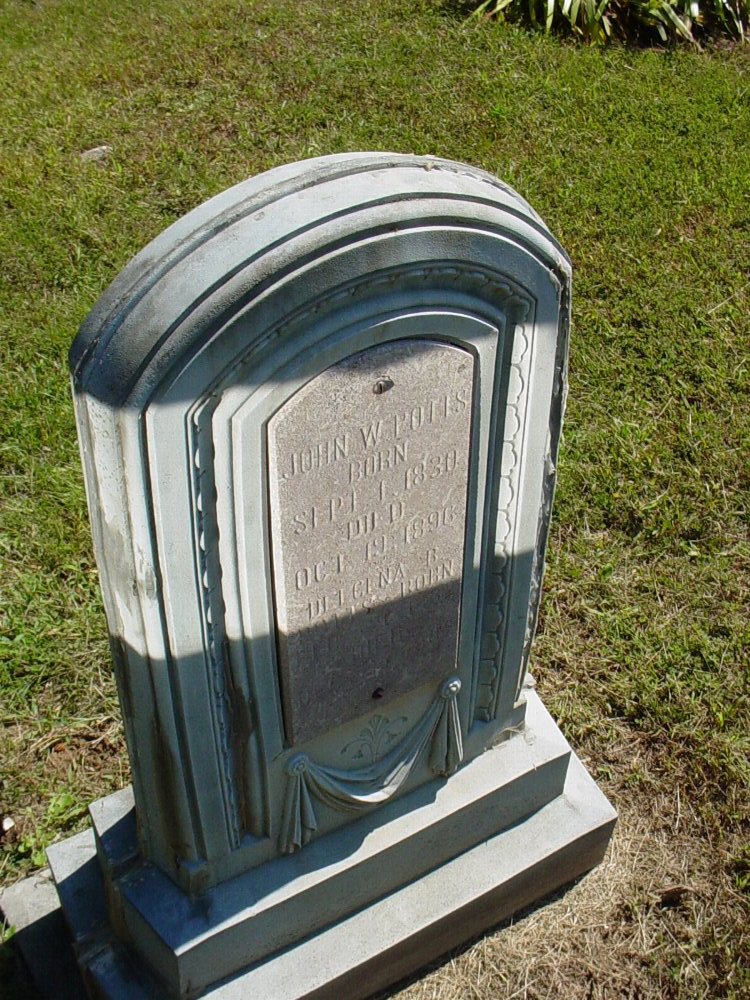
(633, 20)
(62, 812)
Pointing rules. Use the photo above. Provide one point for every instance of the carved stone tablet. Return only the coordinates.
(319, 418)
(368, 467)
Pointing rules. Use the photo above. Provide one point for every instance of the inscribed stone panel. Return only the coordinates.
(368, 467)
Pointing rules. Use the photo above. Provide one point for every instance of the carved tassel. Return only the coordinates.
(447, 749)
(298, 822)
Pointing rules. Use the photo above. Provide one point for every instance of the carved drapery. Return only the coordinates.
(356, 790)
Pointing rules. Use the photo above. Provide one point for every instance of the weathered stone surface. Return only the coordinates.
(212, 336)
(368, 468)
(319, 419)
(370, 949)
(42, 936)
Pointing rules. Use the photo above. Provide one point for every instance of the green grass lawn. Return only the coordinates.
(639, 161)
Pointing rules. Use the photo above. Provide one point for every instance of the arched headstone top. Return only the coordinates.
(254, 237)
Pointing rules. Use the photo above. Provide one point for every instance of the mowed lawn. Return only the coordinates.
(639, 161)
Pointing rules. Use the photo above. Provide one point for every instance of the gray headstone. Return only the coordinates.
(319, 419)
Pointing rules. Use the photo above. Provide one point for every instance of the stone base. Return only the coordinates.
(384, 940)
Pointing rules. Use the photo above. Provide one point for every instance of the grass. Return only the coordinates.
(640, 163)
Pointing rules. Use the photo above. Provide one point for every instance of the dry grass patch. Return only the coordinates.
(653, 920)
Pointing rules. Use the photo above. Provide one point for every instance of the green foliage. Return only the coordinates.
(63, 810)
(632, 20)
(741, 866)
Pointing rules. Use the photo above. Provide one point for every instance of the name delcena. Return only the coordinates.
(385, 584)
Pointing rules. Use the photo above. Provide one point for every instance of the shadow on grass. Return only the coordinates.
(15, 981)
(40, 954)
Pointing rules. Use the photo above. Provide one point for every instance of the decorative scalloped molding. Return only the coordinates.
(201, 454)
(497, 585)
(485, 279)
(557, 410)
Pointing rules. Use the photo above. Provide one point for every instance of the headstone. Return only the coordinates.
(319, 420)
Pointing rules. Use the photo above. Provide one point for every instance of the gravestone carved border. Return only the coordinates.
(428, 249)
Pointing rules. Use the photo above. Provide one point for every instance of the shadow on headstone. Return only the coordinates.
(319, 419)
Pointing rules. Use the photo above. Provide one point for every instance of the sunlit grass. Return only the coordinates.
(640, 164)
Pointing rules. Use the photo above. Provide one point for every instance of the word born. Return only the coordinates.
(377, 462)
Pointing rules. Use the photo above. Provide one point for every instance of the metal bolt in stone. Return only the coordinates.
(381, 386)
